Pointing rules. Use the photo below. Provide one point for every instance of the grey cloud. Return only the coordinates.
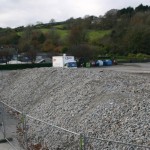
(23, 12)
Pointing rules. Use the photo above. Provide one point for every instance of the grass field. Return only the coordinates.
(95, 35)
(92, 35)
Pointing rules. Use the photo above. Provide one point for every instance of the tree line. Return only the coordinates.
(129, 34)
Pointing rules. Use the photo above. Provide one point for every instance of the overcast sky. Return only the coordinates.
(14, 13)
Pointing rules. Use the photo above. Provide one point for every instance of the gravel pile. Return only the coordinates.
(104, 104)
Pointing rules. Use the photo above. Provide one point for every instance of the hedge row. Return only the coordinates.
(23, 66)
(133, 60)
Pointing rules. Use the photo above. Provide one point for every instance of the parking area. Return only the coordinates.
(131, 67)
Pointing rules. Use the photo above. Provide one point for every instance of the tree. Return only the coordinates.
(54, 37)
(69, 23)
(137, 40)
(109, 19)
(77, 35)
(37, 39)
(9, 38)
(52, 42)
(5, 55)
(48, 46)
(31, 39)
(83, 50)
(52, 21)
(127, 12)
(31, 54)
(142, 8)
(87, 21)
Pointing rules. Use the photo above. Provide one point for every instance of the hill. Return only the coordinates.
(124, 32)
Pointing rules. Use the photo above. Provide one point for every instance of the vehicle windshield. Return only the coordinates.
(71, 64)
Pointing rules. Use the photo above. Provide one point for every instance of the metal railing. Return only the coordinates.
(31, 133)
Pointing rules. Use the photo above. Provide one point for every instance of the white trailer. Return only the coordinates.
(64, 61)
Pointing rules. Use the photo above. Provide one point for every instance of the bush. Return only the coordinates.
(23, 66)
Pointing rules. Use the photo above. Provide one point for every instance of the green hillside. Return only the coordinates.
(95, 35)
(124, 32)
(92, 35)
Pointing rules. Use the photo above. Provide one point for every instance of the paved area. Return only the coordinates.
(131, 67)
(4, 146)
(138, 68)
(10, 128)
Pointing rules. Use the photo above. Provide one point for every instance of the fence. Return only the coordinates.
(30, 133)
(8, 126)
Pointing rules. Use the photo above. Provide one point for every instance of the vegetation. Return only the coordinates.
(120, 33)
(23, 66)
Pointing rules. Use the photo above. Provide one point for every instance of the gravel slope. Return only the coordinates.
(98, 102)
